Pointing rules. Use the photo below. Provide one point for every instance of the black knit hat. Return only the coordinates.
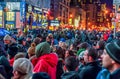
(40, 75)
(113, 49)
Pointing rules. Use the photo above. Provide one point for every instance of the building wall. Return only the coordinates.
(18, 23)
(64, 6)
(88, 15)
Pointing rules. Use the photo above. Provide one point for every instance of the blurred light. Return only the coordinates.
(71, 15)
(106, 11)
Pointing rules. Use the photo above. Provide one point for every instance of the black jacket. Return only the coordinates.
(70, 75)
(115, 74)
(11, 49)
(90, 71)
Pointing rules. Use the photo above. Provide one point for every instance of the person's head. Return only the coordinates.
(40, 37)
(20, 32)
(111, 56)
(42, 48)
(7, 39)
(69, 53)
(71, 63)
(60, 52)
(84, 45)
(22, 40)
(29, 38)
(22, 68)
(31, 50)
(90, 55)
(19, 55)
(36, 40)
(49, 38)
(101, 45)
(63, 45)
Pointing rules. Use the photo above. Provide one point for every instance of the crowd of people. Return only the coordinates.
(60, 54)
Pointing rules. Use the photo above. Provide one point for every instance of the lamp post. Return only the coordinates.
(115, 20)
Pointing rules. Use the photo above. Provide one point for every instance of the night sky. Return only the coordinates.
(109, 3)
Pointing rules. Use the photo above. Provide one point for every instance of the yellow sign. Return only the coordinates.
(1, 13)
(112, 26)
(70, 21)
(10, 16)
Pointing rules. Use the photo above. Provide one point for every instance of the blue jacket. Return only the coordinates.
(103, 74)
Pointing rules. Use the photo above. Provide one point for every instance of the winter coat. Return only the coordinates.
(103, 74)
(11, 49)
(115, 74)
(90, 71)
(70, 75)
(47, 63)
(6, 64)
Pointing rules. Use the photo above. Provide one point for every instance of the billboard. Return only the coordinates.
(116, 1)
(22, 11)
(13, 5)
(39, 3)
(54, 23)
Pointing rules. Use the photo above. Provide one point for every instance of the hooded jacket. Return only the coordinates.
(47, 63)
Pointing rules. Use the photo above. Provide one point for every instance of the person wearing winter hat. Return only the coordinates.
(47, 61)
(22, 69)
(7, 37)
(111, 59)
(22, 45)
(10, 47)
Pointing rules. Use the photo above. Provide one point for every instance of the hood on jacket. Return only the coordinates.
(51, 59)
(42, 48)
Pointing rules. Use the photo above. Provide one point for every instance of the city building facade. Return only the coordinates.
(22, 13)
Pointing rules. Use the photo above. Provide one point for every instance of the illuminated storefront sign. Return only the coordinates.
(22, 11)
(13, 6)
(39, 3)
(29, 8)
(10, 16)
(1, 13)
(54, 23)
(1, 18)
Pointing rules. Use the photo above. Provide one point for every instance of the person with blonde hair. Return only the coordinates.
(31, 50)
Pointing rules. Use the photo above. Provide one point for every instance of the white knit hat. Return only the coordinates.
(7, 37)
(23, 65)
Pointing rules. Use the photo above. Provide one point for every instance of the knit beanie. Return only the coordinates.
(113, 50)
(7, 37)
(23, 65)
(42, 48)
(31, 50)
